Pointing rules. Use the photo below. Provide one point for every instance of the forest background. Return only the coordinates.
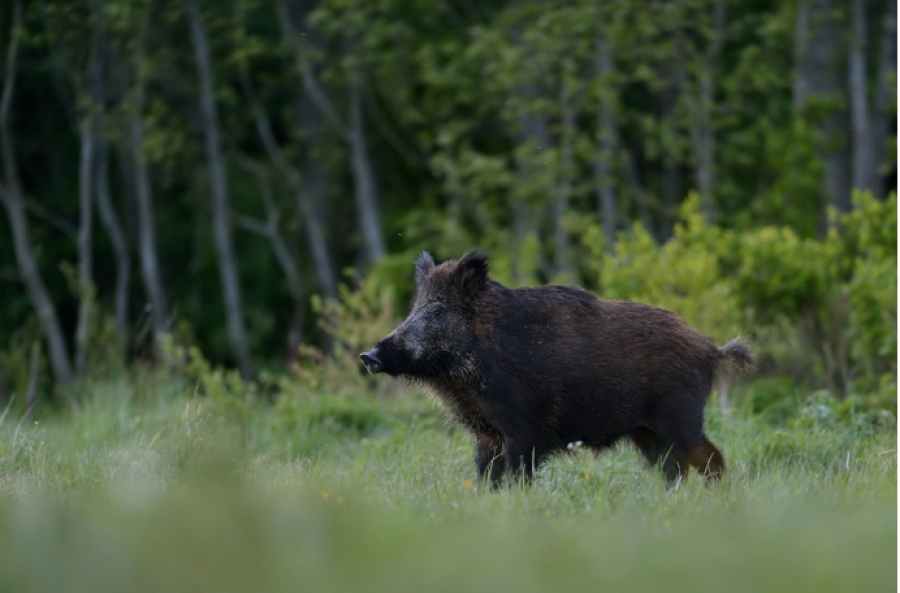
(254, 178)
(209, 209)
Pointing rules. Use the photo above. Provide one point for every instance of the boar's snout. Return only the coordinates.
(371, 360)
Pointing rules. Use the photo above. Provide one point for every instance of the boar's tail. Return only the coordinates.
(737, 354)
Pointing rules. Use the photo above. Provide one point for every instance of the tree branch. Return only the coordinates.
(409, 154)
(311, 85)
(253, 225)
(270, 228)
(10, 171)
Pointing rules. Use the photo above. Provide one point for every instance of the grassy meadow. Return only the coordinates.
(151, 483)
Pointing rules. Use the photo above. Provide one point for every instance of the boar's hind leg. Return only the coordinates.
(708, 460)
(522, 458)
(659, 452)
(489, 457)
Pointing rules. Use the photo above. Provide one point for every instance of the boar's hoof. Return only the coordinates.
(372, 362)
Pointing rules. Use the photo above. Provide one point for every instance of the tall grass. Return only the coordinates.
(140, 485)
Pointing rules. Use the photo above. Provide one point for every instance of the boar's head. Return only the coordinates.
(438, 337)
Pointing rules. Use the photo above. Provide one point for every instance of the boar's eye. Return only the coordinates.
(437, 314)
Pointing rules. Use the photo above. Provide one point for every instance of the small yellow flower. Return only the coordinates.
(587, 477)
(67, 481)
(340, 499)
(325, 495)
(548, 514)
(36, 422)
(468, 485)
(667, 523)
(432, 516)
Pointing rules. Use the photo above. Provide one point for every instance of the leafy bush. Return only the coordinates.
(685, 275)
(353, 324)
(829, 304)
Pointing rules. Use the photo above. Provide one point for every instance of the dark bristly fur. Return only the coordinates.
(531, 370)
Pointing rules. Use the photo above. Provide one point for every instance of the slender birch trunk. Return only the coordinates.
(231, 289)
(86, 290)
(885, 90)
(606, 135)
(309, 198)
(306, 188)
(137, 164)
(816, 75)
(861, 175)
(12, 200)
(703, 137)
(364, 180)
(352, 133)
(113, 226)
(562, 262)
(102, 199)
(535, 128)
(271, 231)
(800, 83)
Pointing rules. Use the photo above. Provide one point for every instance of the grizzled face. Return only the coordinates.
(437, 337)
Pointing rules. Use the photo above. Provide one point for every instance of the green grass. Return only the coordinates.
(144, 486)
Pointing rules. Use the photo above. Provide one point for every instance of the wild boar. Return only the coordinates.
(529, 371)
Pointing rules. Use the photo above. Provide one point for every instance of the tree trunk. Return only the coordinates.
(113, 228)
(633, 179)
(672, 193)
(528, 201)
(353, 133)
(309, 198)
(884, 95)
(306, 189)
(102, 199)
(562, 262)
(4, 394)
(862, 165)
(703, 137)
(86, 289)
(703, 140)
(37, 291)
(816, 46)
(136, 164)
(364, 182)
(606, 145)
(800, 82)
(11, 197)
(231, 288)
(523, 226)
(147, 231)
(31, 390)
(270, 230)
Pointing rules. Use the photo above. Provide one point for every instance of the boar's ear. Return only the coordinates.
(473, 272)
(424, 264)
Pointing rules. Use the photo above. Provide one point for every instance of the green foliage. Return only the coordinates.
(480, 119)
(684, 275)
(871, 239)
(835, 297)
(353, 324)
(230, 397)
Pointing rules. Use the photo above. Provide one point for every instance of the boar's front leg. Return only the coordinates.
(489, 457)
(523, 457)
